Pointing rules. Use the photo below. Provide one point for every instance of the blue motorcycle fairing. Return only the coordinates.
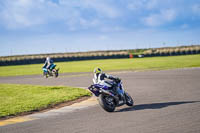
(101, 86)
(44, 69)
(52, 66)
(98, 86)
(120, 90)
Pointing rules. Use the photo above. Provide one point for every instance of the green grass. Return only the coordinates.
(154, 63)
(15, 99)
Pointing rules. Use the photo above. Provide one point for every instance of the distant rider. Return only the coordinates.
(48, 64)
(100, 78)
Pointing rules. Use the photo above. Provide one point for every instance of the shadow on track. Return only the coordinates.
(153, 106)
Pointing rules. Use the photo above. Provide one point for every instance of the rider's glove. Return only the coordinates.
(118, 79)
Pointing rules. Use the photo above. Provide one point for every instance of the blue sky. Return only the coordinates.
(51, 26)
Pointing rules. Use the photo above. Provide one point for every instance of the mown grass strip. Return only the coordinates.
(154, 63)
(15, 99)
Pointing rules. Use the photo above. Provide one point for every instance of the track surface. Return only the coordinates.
(165, 101)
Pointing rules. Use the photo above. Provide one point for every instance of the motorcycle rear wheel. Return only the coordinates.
(105, 104)
(55, 73)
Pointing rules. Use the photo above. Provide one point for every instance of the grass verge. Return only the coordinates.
(154, 63)
(16, 99)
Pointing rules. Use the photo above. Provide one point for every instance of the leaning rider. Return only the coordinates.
(99, 78)
(48, 64)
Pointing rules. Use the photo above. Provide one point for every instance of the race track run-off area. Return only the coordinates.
(166, 101)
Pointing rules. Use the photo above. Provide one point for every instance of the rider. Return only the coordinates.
(48, 64)
(99, 78)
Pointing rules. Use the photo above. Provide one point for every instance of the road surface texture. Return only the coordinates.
(166, 101)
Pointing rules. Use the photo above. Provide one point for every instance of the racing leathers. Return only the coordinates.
(100, 78)
(48, 63)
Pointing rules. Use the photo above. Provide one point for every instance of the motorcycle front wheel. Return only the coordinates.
(129, 100)
(107, 102)
(45, 74)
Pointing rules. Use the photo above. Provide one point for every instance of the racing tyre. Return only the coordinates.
(45, 74)
(107, 102)
(55, 73)
(129, 100)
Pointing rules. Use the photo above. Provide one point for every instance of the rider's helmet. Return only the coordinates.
(97, 70)
(48, 58)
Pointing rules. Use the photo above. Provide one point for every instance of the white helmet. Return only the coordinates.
(48, 58)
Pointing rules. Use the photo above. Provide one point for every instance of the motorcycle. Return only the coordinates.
(51, 72)
(110, 98)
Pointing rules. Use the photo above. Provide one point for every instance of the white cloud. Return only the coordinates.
(169, 14)
(101, 12)
(103, 37)
(19, 13)
(27, 13)
(184, 26)
(135, 5)
(87, 23)
(152, 4)
(196, 9)
(164, 16)
(142, 4)
(101, 15)
(102, 7)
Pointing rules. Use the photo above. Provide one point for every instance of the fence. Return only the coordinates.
(61, 59)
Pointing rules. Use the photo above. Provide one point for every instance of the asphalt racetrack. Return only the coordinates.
(166, 101)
